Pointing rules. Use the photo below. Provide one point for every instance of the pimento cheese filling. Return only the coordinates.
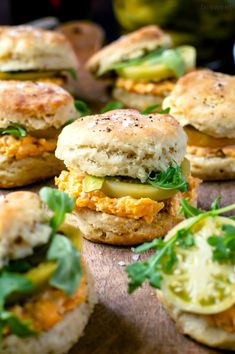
(227, 151)
(29, 146)
(47, 308)
(129, 207)
(224, 320)
(162, 88)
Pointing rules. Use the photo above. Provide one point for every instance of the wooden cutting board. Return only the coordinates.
(123, 324)
(134, 324)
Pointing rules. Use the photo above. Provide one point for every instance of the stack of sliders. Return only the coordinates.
(46, 291)
(28, 53)
(31, 117)
(144, 66)
(204, 103)
(127, 172)
(193, 268)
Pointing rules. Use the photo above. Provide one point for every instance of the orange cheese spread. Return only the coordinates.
(225, 319)
(129, 207)
(226, 151)
(29, 146)
(47, 308)
(162, 88)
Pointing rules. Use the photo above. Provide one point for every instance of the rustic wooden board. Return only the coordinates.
(124, 324)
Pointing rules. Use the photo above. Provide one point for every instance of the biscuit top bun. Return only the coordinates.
(23, 225)
(35, 105)
(130, 46)
(28, 48)
(122, 143)
(205, 100)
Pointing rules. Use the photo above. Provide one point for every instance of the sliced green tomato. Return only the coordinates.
(198, 284)
(28, 75)
(160, 70)
(43, 272)
(116, 188)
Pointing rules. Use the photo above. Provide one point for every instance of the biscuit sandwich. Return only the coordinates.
(127, 172)
(28, 53)
(203, 102)
(31, 117)
(46, 291)
(193, 270)
(143, 65)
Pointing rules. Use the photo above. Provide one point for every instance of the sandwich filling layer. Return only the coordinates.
(126, 206)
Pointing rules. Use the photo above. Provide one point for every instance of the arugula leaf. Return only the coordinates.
(188, 210)
(73, 73)
(69, 121)
(11, 283)
(68, 271)
(17, 327)
(173, 60)
(172, 178)
(223, 246)
(82, 108)
(59, 202)
(112, 105)
(14, 129)
(216, 202)
(152, 108)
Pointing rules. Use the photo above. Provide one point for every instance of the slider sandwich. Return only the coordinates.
(127, 172)
(46, 291)
(28, 53)
(143, 65)
(31, 117)
(193, 269)
(204, 103)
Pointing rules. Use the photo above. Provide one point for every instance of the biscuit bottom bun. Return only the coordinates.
(203, 103)
(31, 118)
(110, 159)
(198, 328)
(48, 292)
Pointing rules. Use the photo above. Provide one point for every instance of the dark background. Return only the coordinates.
(216, 48)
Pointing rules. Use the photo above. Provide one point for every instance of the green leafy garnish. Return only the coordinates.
(73, 73)
(11, 283)
(58, 202)
(172, 178)
(173, 60)
(188, 210)
(153, 107)
(215, 203)
(68, 271)
(16, 327)
(224, 246)
(112, 105)
(69, 121)
(82, 108)
(165, 257)
(92, 183)
(14, 129)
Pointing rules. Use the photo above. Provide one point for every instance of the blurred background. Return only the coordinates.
(209, 25)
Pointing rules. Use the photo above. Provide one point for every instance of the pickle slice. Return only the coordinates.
(159, 70)
(116, 188)
(27, 75)
(198, 284)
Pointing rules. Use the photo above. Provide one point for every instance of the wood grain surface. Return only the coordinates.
(134, 324)
(123, 324)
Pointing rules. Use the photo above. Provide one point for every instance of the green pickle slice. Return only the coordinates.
(116, 188)
(198, 284)
(160, 68)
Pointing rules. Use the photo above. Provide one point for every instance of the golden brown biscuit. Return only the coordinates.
(35, 105)
(205, 100)
(122, 142)
(28, 49)
(130, 46)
